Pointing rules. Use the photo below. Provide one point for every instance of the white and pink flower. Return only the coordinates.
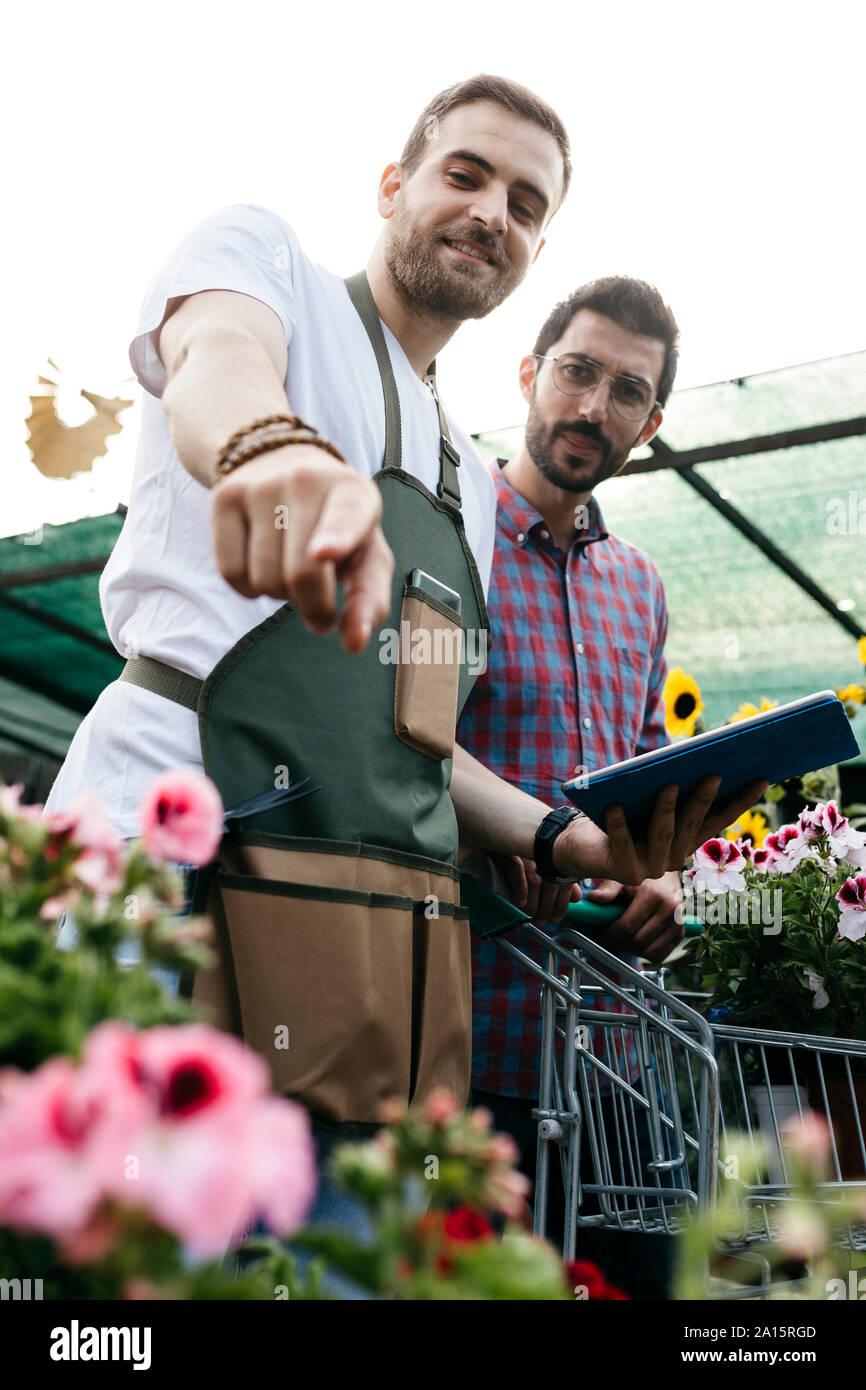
(786, 847)
(820, 997)
(840, 833)
(852, 908)
(762, 860)
(718, 867)
(181, 817)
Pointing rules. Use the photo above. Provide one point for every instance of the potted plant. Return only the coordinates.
(783, 949)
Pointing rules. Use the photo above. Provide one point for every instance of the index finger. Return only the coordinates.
(692, 818)
(351, 510)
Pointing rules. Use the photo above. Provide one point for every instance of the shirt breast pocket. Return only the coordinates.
(628, 688)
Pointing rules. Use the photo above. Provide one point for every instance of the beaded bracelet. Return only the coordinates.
(264, 441)
(294, 420)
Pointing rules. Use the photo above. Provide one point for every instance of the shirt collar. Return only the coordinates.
(518, 518)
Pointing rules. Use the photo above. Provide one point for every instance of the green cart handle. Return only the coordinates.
(585, 915)
(491, 915)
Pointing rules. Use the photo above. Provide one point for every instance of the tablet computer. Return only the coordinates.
(779, 743)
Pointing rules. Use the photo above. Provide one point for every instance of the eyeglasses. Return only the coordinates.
(575, 376)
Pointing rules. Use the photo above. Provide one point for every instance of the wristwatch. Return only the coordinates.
(545, 837)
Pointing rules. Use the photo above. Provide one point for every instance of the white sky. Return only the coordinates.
(718, 152)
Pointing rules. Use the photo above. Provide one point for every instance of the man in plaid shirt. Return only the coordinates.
(577, 666)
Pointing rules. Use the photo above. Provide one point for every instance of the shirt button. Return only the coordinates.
(545, 535)
(579, 649)
(587, 723)
(520, 538)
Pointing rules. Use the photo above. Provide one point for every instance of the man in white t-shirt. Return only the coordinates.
(239, 322)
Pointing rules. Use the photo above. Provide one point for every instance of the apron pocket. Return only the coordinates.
(351, 996)
(428, 674)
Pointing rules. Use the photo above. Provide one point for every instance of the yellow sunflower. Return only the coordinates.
(751, 826)
(861, 649)
(853, 694)
(748, 711)
(683, 704)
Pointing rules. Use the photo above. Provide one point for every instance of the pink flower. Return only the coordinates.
(507, 1191)
(762, 860)
(195, 1070)
(809, 823)
(785, 847)
(480, 1120)
(501, 1148)
(718, 866)
(852, 908)
(283, 1167)
(176, 1121)
(181, 817)
(440, 1106)
(10, 804)
(62, 1139)
(100, 867)
(802, 1234)
(808, 1138)
(206, 1178)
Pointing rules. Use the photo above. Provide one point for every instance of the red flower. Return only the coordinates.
(586, 1275)
(464, 1225)
(461, 1226)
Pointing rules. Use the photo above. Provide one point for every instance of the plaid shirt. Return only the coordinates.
(575, 678)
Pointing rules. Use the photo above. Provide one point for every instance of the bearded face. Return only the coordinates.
(451, 272)
(576, 469)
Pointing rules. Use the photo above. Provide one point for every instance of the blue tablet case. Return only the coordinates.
(780, 743)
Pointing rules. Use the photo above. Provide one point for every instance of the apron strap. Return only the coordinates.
(163, 680)
(448, 487)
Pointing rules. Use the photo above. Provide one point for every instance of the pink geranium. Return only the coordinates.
(808, 1137)
(195, 1071)
(61, 1141)
(718, 867)
(10, 804)
(181, 817)
(852, 908)
(839, 831)
(176, 1121)
(100, 866)
(281, 1166)
(785, 847)
(762, 860)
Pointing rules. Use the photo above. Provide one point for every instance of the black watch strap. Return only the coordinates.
(545, 837)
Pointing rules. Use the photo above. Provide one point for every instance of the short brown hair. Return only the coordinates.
(634, 305)
(520, 101)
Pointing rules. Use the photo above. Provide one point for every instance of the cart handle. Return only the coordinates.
(491, 915)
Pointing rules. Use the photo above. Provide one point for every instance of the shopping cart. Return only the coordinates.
(641, 1096)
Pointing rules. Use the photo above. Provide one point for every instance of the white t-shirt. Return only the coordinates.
(161, 592)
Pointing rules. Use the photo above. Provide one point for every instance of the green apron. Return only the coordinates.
(342, 950)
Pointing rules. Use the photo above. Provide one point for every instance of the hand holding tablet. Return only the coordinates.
(648, 814)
